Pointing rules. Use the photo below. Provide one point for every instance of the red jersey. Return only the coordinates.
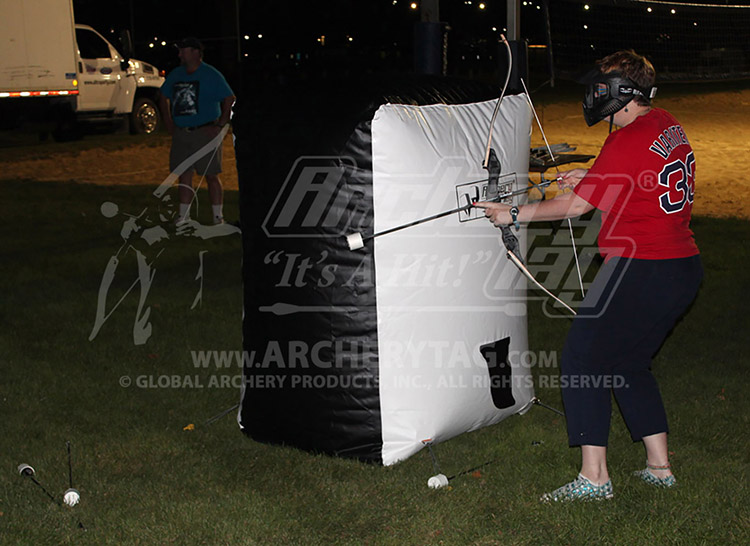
(643, 181)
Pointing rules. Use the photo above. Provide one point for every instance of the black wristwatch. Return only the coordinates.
(514, 217)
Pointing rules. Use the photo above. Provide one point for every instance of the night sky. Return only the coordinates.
(286, 27)
(373, 34)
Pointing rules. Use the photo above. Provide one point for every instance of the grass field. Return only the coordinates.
(145, 480)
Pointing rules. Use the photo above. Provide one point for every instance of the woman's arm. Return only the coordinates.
(567, 205)
(571, 178)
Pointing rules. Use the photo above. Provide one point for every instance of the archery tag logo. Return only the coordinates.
(322, 196)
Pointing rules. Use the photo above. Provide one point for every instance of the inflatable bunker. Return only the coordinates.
(413, 338)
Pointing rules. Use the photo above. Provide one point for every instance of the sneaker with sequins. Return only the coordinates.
(580, 489)
(647, 476)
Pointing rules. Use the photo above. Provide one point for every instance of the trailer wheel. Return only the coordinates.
(144, 119)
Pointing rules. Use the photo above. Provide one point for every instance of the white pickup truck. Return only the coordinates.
(53, 70)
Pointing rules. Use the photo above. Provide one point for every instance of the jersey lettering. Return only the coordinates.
(659, 150)
(668, 140)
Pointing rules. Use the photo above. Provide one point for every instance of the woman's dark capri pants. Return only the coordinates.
(623, 320)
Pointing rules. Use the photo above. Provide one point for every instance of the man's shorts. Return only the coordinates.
(184, 145)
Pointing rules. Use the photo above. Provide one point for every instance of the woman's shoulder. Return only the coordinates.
(655, 121)
(663, 114)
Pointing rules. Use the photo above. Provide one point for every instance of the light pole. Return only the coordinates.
(428, 39)
(513, 16)
(520, 68)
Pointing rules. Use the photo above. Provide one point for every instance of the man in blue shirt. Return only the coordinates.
(196, 103)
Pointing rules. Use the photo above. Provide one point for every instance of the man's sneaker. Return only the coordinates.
(579, 489)
(218, 221)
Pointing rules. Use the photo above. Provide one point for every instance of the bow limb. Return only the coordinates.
(520, 265)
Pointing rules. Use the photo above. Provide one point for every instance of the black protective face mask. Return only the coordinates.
(607, 94)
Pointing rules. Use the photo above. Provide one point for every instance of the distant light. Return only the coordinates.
(586, 7)
(649, 10)
(586, 27)
(538, 7)
(350, 38)
(395, 2)
(482, 5)
(163, 43)
(413, 5)
(673, 12)
(494, 29)
(246, 37)
(151, 45)
(260, 36)
(695, 24)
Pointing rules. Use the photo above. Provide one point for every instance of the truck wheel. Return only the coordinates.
(144, 119)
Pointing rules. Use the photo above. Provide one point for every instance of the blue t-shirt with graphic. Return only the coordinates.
(196, 97)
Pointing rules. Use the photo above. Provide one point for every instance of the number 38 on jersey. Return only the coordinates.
(679, 179)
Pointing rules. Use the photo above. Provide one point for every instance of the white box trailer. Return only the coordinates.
(54, 70)
(30, 65)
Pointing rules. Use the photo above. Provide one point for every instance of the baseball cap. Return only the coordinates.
(190, 41)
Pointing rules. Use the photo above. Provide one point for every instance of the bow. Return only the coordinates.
(493, 167)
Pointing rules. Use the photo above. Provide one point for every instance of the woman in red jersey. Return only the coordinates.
(643, 182)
